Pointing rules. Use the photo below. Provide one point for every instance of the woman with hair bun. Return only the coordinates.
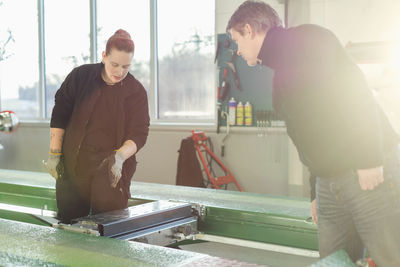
(99, 122)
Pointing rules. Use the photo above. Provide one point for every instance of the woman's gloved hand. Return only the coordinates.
(55, 165)
(113, 164)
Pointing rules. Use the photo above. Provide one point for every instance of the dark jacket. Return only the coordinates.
(330, 113)
(74, 102)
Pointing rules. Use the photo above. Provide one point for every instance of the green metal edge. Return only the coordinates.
(259, 227)
(28, 196)
(21, 217)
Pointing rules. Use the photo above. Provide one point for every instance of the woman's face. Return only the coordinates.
(116, 65)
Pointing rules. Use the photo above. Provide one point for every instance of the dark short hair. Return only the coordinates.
(259, 15)
(120, 40)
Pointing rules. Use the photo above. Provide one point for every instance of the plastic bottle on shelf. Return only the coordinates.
(240, 114)
(248, 114)
(232, 111)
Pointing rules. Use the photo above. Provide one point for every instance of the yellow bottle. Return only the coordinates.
(248, 114)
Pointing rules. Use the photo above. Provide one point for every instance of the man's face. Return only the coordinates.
(116, 65)
(248, 47)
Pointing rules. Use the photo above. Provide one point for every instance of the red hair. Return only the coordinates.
(120, 40)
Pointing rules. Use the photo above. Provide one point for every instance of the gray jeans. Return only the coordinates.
(351, 218)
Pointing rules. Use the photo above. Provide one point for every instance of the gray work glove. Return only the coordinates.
(55, 165)
(113, 164)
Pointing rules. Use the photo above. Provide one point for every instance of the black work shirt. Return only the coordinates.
(330, 113)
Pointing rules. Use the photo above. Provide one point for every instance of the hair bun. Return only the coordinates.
(122, 34)
(120, 40)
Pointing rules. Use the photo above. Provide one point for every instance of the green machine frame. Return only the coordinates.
(245, 217)
(241, 215)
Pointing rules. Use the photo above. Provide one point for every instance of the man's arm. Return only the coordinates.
(314, 211)
(313, 181)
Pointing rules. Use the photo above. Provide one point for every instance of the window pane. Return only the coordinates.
(67, 42)
(134, 17)
(19, 66)
(186, 59)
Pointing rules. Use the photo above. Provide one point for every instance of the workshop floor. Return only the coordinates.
(251, 255)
